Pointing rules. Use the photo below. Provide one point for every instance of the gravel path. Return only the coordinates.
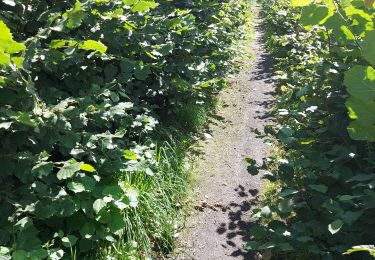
(226, 193)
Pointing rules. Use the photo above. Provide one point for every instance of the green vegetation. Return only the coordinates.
(325, 82)
(87, 170)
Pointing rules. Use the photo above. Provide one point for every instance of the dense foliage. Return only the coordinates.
(324, 55)
(82, 85)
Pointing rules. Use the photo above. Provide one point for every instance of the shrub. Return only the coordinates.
(324, 66)
(82, 87)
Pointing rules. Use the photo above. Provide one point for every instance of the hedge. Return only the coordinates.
(82, 85)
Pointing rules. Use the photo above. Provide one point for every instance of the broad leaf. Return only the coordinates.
(68, 170)
(98, 205)
(143, 6)
(335, 226)
(75, 16)
(130, 155)
(314, 15)
(69, 241)
(368, 48)
(360, 82)
(76, 187)
(319, 188)
(87, 167)
(297, 3)
(91, 45)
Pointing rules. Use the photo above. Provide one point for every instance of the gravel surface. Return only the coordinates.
(219, 226)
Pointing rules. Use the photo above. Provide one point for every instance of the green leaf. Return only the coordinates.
(85, 245)
(114, 191)
(258, 232)
(347, 197)
(314, 15)
(91, 45)
(335, 226)
(69, 241)
(27, 239)
(361, 111)
(319, 188)
(23, 223)
(7, 167)
(143, 6)
(304, 239)
(38, 254)
(350, 216)
(110, 71)
(87, 167)
(362, 248)
(4, 60)
(333, 206)
(297, 3)
(361, 20)
(55, 44)
(56, 254)
(25, 119)
(131, 197)
(141, 71)
(368, 49)
(19, 255)
(9, 2)
(6, 125)
(44, 211)
(358, 131)
(67, 206)
(7, 44)
(18, 61)
(98, 205)
(130, 2)
(74, 16)
(266, 211)
(267, 245)
(42, 169)
(76, 187)
(285, 247)
(88, 182)
(286, 135)
(288, 192)
(15, 47)
(252, 245)
(339, 28)
(117, 222)
(68, 170)
(4, 250)
(88, 230)
(130, 155)
(360, 82)
(286, 206)
(5, 35)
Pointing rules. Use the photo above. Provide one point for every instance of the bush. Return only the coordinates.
(324, 61)
(82, 87)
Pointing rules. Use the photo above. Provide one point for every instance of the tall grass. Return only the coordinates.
(151, 227)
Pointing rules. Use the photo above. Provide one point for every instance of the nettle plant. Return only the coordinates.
(81, 86)
(324, 203)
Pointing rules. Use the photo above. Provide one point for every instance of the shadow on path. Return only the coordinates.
(227, 193)
(236, 229)
(238, 224)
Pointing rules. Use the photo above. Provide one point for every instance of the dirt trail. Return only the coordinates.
(219, 228)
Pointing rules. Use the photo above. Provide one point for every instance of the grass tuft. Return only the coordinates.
(151, 228)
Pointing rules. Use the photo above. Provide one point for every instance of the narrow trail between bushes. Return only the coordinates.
(219, 226)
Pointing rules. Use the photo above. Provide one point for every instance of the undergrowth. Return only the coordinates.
(96, 100)
(319, 203)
